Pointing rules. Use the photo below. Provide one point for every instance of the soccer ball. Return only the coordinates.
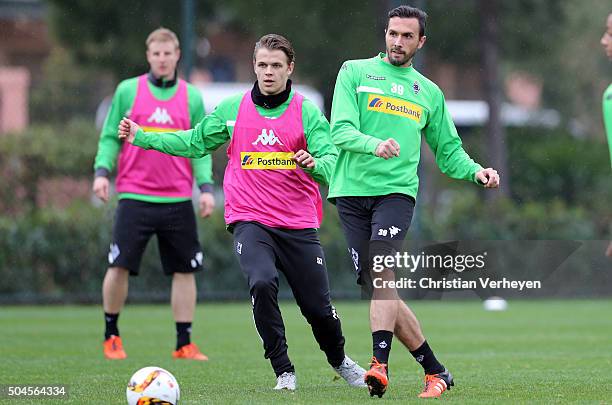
(153, 385)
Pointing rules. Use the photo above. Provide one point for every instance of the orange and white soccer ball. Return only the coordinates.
(153, 385)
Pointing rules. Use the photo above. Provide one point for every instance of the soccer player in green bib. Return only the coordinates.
(381, 107)
(606, 41)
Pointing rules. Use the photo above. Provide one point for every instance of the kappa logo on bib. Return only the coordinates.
(267, 160)
(267, 138)
(160, 116)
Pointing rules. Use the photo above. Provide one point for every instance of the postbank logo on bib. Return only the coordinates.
(267, 161)
(394, 106)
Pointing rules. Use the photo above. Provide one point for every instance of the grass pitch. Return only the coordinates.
(535, 352)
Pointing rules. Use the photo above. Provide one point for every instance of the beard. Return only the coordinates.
(405, 59)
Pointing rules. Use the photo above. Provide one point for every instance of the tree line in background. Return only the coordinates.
(552, 39)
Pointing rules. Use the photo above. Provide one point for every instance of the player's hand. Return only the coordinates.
(207, 204)
(388, 149)
(488, 177)
(127, 130)
(609, 250)
(304, 159)
(100, 188)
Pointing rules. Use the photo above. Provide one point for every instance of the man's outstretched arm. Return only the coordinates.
(207, 136)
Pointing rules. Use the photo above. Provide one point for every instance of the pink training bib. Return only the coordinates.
(150, 172)
(261, 181)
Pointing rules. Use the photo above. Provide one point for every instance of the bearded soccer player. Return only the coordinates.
(606, 41)
(279, 149)
(381, 107)
(155, 192)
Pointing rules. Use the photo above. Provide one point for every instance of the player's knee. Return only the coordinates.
(263, 286)
(383, 248)
(316, 314)
(120, 272)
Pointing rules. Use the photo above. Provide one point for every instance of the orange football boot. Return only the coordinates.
(376, 378)
(190, 352)
(113, 348)
(436, 384)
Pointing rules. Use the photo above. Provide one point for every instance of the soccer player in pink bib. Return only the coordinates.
(155, 192)
(279, 148)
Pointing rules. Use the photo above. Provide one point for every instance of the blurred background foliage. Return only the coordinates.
(59, 252)
(552, 39)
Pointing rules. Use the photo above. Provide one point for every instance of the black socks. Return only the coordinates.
(110, 329)
(381, 345)
(183, 334)
(183, 330)
(425, 357)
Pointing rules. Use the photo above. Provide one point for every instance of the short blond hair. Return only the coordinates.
(162, 35)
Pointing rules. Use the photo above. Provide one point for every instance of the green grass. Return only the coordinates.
(536, 351)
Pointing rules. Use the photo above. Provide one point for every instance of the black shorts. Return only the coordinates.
(175, 227)
(297, 253)
(374, 226)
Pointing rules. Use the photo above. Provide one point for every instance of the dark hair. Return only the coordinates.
(410, 12)
(275, 41)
